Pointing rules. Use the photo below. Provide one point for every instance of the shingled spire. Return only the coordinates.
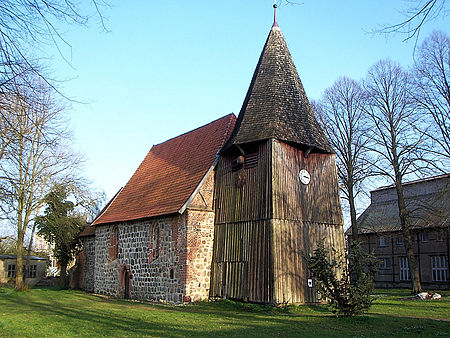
(276, 106)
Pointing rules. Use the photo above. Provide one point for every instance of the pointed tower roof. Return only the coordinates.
(276, 105)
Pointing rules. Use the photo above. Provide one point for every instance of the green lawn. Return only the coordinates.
(50, 312)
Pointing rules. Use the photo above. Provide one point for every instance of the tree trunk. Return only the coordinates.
(351, 201)
(354, 245)
(20, 285)
(407, 240)
(30, 244)
(63, 277)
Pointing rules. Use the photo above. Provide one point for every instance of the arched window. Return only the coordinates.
(154, 243)
(114, 243)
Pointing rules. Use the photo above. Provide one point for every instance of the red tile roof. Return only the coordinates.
(88, 231)
(169, 174)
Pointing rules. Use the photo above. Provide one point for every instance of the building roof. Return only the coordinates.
(169, 174)
(276, 105)
(88, 231)
(427, 202)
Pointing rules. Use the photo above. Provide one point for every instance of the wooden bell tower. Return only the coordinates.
(276, 189)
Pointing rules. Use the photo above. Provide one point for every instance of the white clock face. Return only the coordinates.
(305, 178)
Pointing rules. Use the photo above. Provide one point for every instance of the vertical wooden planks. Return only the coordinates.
(263, 227)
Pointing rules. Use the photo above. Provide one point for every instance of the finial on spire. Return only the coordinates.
(275, 24)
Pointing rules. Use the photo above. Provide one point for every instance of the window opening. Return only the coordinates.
(440, 235)
(404, 268)
(30, 271)
(154, 244)
(385, 263)
(439, 268)
(383, 241)
(424, 236)
(251, 161)
(114, 243)
(11, 270)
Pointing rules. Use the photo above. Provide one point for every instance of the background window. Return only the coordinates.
(11, 270)
(30, 272)
(383, 241)
(423, 236)
(440, 235)
(439, 268)
(385, 263)
(404, 268)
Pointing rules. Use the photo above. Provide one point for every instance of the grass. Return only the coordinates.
(52, 312)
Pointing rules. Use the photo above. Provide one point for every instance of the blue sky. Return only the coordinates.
(168, 67)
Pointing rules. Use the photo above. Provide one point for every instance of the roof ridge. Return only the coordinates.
(168, 175)
(227, 135)
(419, 180)
(190, 131)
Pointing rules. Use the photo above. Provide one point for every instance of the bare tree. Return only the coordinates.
(432, 92)
(37, 154)
(27, 24)
(341, 113)
(395, 141)
(418, 13)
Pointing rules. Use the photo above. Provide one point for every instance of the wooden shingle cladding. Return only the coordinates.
(263, 228)
(276, 105)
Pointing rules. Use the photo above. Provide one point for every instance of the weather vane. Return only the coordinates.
(275, 24)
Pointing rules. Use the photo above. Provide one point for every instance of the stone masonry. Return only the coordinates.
(169, 258)
(89, 264)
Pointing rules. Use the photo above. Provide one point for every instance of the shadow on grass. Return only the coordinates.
(81, 313)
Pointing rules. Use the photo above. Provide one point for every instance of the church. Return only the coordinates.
(226, 210)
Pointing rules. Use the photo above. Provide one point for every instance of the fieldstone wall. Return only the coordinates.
(88, 269)
(153, 251)
(168, 258)
(106, 277)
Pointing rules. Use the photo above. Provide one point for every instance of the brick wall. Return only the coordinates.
(200, 237)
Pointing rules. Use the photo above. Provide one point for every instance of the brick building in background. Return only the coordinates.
(227, 209)
(428, 205)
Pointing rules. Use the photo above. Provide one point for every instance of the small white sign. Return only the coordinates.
(310, 283)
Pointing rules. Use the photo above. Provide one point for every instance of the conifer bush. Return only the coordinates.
(345, 282)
